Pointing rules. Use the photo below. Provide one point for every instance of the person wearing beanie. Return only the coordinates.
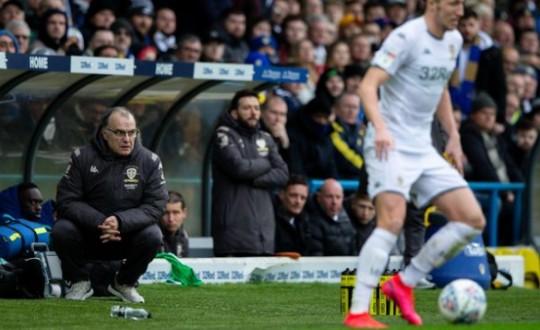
(21, 31)
(8, 42)
(141, 16)
(311, 150)
(262, 51)
(11, 10)
(100, 15)
(488, 157)
(123, 37)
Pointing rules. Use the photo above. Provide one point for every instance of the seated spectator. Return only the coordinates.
(294, 31)
(330, 86)
(396, 10)
(123, 37)
(175, 237)
(234, 31)
(8, 42)
(26, 201)
(521, 148)
(101, 37)
(141, 17)
(294, 96)
(52, 34)
(21, 31)
(488, 158)
(347, 137)
(485, 151)
(165, 35)
(110, 200)
(189, 49)
(107, 51)
(213, 47)
(353, 75)
(303, 55)
(262, 51)
(339, 56)
(332, 233)
(311, 151)
(260, 26)
(11, 10)
(273, 120)
(534, 115)
(292, 227)
(361, 46)
(101, 14)
(361, 211)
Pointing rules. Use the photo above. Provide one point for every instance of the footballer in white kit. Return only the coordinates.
(401, 92)
(408, 101)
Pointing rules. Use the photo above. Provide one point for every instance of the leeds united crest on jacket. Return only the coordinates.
(131, 177)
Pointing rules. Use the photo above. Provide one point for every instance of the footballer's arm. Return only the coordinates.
(369, 88)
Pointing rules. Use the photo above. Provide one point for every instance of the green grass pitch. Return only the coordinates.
(252, 306)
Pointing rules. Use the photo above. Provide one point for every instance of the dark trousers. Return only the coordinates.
(414, 232)
(76, 248)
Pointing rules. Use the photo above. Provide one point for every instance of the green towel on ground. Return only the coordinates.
(180, 274)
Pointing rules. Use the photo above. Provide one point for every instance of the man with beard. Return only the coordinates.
(479, 67)
(246, 168)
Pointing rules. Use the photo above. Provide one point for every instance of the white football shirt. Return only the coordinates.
(419, 65)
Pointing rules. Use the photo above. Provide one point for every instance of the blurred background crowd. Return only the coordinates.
(318, 125)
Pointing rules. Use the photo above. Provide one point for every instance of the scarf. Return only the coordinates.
(462, 91)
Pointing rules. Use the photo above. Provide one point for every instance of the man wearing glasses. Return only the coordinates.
(110, 200)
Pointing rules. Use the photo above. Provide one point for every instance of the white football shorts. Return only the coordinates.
(419, 177)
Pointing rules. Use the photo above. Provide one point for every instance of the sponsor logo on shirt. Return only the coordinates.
(387, 58)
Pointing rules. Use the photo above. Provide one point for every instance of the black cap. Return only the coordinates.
(13, 2)
(141, 7)
(481, 101)
(214, 36)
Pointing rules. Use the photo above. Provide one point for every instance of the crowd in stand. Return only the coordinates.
(317, 126)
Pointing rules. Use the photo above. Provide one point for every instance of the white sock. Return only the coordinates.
(442, 246)
(371, 264)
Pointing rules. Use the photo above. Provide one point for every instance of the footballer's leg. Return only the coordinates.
(374, 257)
(466, 221)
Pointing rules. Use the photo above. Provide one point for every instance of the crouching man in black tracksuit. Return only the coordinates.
(109, 203)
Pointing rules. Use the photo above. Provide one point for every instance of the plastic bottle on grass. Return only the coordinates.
(130, 313)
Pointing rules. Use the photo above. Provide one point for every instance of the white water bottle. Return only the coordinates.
(130, 313)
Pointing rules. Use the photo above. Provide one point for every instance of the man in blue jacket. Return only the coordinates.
(110, 200)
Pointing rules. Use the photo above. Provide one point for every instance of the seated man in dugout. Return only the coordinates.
(110, 200)
(332, 233)
(175, 237)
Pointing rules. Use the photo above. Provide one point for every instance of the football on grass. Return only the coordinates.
(462, 301)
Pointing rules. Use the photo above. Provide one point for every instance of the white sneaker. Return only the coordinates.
(125, 292)
(79, 291)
